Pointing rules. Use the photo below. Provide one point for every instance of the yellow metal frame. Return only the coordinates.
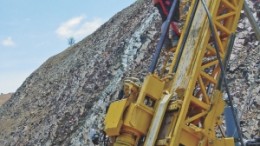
(128, 119)
(198, 114)
(182, 107)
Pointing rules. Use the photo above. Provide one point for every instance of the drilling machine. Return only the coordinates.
(183, 105)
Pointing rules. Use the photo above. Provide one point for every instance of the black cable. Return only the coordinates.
(230, 103)
(162, 38)
(227, 57)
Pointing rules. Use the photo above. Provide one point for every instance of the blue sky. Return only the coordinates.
(32, 31)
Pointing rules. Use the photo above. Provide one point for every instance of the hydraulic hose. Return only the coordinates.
(162, 38)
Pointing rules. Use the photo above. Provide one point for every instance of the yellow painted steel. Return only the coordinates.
(125, 139)
(181, 108)
(128, 119)
(152, 88)
(113, 120)
(200, 78)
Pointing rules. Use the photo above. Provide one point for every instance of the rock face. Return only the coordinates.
(62, 100)
(66, 97)
(244, 74)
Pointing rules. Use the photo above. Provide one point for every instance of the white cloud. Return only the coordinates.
(8, 42)
(78, 27)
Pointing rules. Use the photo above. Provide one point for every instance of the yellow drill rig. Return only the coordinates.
(182, 106)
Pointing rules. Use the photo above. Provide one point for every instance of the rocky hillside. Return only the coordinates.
(66, 97)
(244, 73)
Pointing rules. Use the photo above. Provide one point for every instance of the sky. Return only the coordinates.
(32, 31)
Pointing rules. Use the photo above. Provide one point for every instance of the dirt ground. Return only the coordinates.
(4, 98)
